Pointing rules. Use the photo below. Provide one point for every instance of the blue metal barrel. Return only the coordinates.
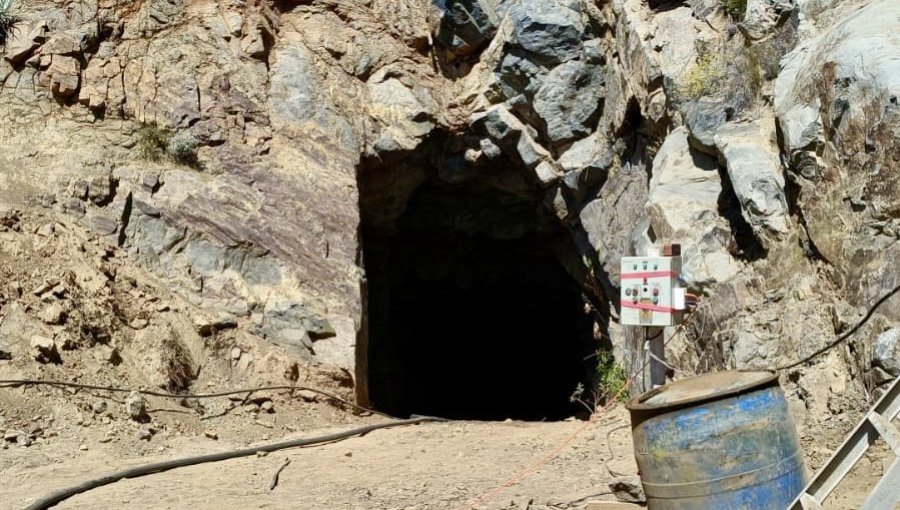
(721, 441)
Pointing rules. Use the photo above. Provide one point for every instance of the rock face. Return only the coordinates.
(229, 147)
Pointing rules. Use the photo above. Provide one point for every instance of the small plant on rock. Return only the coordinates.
(183, 148)
(152, 142)
(8, 20)
(704, 78)
(158, 144)
(735, 8)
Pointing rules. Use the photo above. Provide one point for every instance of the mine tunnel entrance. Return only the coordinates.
(470, 312)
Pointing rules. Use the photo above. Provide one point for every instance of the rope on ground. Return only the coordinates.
(846, 335)
(274, 482)
(56, 497)
(248, 391)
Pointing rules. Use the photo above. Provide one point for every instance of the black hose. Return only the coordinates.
(846, 335)
(56, 497)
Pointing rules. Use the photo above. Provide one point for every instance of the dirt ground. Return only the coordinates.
(426, 466)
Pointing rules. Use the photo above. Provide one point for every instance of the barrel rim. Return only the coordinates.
(637, 403)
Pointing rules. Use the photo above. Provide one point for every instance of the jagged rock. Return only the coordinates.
(762, 16)
(135, 406)
(516, 74)
(63, 76)
(586, 165)
(683, 208)
(513, 137)
(628, 489)
(550, 29)
(569, 100)
(407, 112)
(103, 225)
(755, 171)
(467, 25)
(26, 37)
(887, 351)
(836, 99)
(53, 314)
(61, 44)
(207, 326)
(44, 350)
(703, 119)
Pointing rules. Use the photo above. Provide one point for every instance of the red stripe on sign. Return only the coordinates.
(651, 274)
(645, 306)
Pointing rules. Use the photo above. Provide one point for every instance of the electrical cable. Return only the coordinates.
(56, 497)
(846, 335)
(36, 382)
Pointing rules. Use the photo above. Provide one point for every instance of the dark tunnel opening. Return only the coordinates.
(470, 313)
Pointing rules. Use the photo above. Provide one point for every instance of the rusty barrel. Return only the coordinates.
(722, 441)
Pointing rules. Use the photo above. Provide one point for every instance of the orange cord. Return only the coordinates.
(487, 496)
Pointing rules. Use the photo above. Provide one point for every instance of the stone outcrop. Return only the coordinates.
(634, 125)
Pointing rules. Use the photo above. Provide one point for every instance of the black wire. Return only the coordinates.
(55, 497)
(20, 382)
(846, 335)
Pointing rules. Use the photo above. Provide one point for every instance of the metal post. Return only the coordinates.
(655, 345)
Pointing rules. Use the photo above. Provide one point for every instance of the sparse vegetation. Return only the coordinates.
(705, 77)
(611, 377)
(8, 20)
(735, 8)
(158, 144)
(182, 148)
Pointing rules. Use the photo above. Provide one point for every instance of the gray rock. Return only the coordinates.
(285, 314)
(887, 351)
(467, 25)
(586, 165)
(513, 137)
(144, 434)
(756, 175)
(99, 407)
(683, 208)
(569, 100)
(44, 350)
(135, 406)
(103, 225)
(703, 119)
(548, 28)
(517, 74)
(207, 326)
(628, 489)
(297, 97)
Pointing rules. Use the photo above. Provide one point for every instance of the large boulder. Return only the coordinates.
(683, 208)
(751, 158)
(551, 30)
(569, 101)
(887, 351)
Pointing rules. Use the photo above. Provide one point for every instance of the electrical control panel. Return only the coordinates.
(649, 295)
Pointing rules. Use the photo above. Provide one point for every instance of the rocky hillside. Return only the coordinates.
(234, 151)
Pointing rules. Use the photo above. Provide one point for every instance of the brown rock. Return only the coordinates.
(53, 314)
(65, 75)
(61, 44)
